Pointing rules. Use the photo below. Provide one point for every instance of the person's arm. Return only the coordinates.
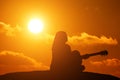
(68, 48)
(86, 56)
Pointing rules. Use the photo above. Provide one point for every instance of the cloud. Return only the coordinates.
(108, 62)
(108, 66)
(86, 39)
(14, 61)
(8, 29)
(85, 42)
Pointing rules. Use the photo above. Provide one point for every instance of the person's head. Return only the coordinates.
(60, 37)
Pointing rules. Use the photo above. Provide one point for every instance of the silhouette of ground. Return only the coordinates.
(47, 75)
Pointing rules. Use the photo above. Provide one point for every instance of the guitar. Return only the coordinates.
(102, 53)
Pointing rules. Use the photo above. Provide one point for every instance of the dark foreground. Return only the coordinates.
(47, 75)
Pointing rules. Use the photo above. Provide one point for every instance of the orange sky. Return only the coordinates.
(91, 26)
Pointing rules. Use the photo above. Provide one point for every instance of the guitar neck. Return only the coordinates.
(105, 52)
(94, 54)
(86, 56)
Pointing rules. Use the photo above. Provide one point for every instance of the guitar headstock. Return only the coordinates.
(104, 52)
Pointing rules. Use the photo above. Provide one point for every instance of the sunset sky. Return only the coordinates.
(91, 25)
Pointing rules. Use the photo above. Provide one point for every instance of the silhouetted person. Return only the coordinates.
(64, 61)
(61, 53)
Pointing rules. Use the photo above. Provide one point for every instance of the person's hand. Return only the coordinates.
(86, 56)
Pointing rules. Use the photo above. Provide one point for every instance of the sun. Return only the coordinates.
(35, 26)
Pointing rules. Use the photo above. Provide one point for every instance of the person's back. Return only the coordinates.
(61, 60)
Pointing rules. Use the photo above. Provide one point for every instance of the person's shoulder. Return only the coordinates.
(67, 46)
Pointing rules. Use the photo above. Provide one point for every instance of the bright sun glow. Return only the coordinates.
(35, 26)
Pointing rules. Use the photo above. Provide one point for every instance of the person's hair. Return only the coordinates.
(60, 38)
